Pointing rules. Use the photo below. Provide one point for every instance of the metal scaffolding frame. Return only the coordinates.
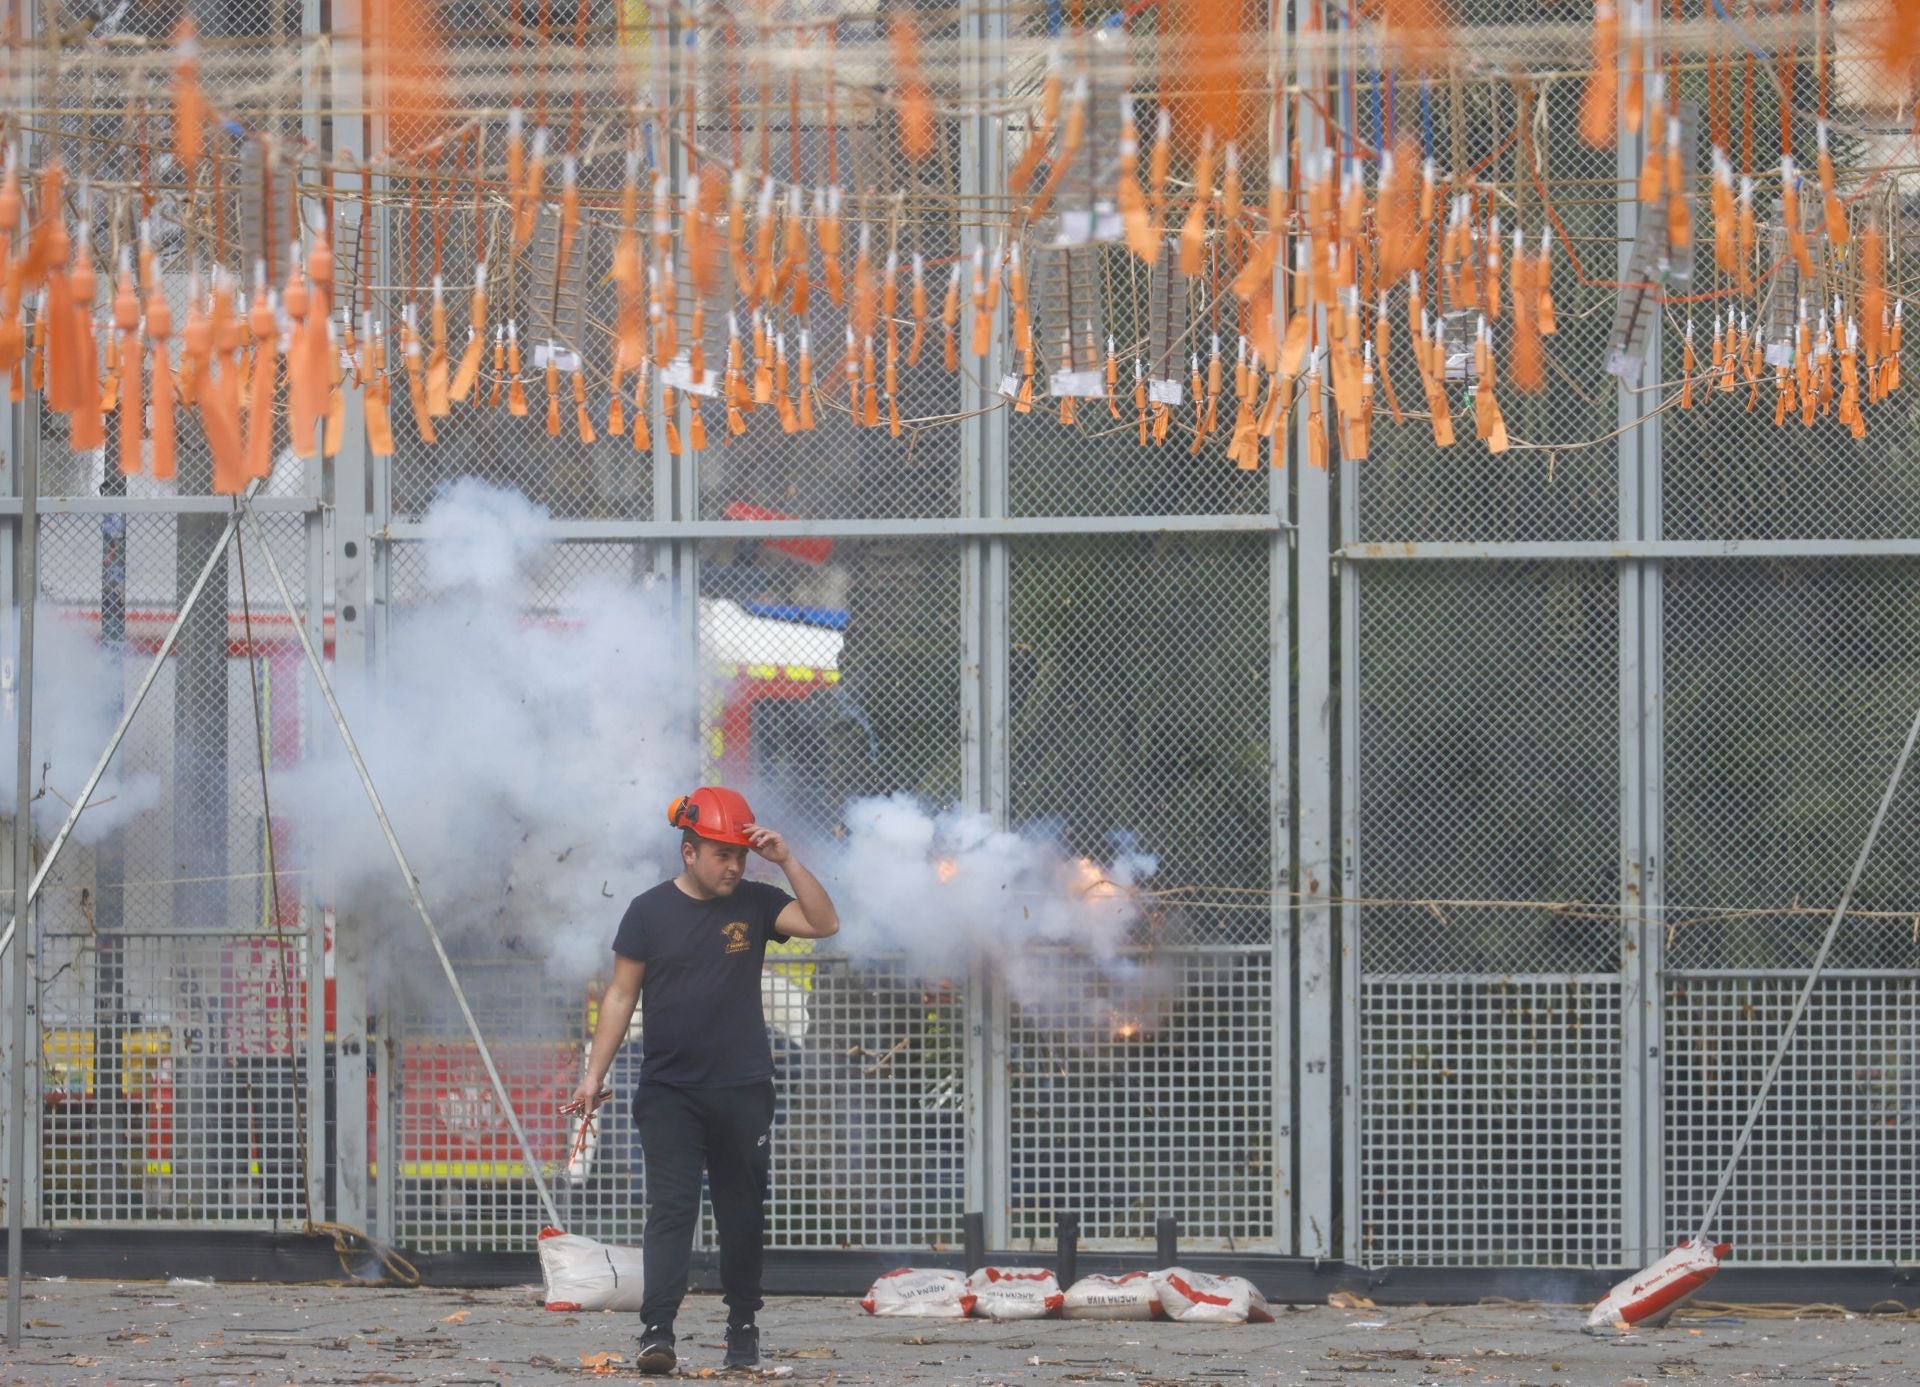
(1333, 1049)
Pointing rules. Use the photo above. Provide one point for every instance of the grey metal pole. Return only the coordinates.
(1318, 827)
(29, 586)
(1280, 718)
(406, 870)
(159, 663)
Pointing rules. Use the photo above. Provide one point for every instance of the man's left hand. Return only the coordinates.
(769, 845)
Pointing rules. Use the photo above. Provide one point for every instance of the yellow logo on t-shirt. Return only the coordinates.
(736, 936)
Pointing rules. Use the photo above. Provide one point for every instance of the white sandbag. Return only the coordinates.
(582, 1274)
(1197, 1298)
(915, 1293)
(1647, 1299)
(1128, 1297)
(1014, 1293)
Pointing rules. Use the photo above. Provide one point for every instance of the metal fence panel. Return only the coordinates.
(1138, 697)
(1789, 695)
(446, 1164)
(1559, 480)
(176, 1084)
(1490, 1125)
(175, 980)
(1488, 768)
(1139, 1086)
(1829, 1176)
(831, 671)
(1790, 688)
(1732, 475)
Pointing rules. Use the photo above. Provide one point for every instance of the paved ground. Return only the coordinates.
(268, 1336)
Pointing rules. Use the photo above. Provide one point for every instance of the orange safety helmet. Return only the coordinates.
(715, 812)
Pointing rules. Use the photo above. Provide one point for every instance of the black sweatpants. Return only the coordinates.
(727, 1132)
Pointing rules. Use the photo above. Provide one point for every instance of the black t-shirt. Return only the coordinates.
(701, 1021)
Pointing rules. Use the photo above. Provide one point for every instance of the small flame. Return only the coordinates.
(945, 869)
(1126, 1031)
(1091, 881)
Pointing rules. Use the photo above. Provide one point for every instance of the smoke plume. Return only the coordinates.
(524, 752)
(75, 708)
(525, 730)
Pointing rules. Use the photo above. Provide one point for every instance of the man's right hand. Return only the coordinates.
(587, 1097)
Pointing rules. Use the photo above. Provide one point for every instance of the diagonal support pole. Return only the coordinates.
(80, 801)
(406, 871)
(25, 1030)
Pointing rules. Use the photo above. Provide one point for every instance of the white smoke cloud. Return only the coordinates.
(76, 705)
(526, 750)
(947, 888)
(525, 757)
(970, 883)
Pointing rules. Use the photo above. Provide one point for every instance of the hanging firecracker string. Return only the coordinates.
(1261, 324)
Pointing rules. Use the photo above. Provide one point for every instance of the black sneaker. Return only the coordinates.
(657, 1355)
(743, 1346)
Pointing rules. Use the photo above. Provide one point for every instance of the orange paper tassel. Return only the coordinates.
(439, 393)
(1836, 213)
(1193, 234)
(516, 387)
(582, 422)
(916, 99)
(553, 390)
(189, 104)
(87, 429)
(159, 328)
(260, 319)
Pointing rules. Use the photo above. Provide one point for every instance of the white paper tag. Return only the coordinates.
(1083, 385)
(1625, 365)
(1078, 227)
(1165, 392)
(564, 358)
(1010, 385)
(1779, 353)
(678, 374)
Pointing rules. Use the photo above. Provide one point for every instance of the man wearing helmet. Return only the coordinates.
(692, 949)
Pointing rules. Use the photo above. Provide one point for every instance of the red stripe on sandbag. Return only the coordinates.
(1197, 1297)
